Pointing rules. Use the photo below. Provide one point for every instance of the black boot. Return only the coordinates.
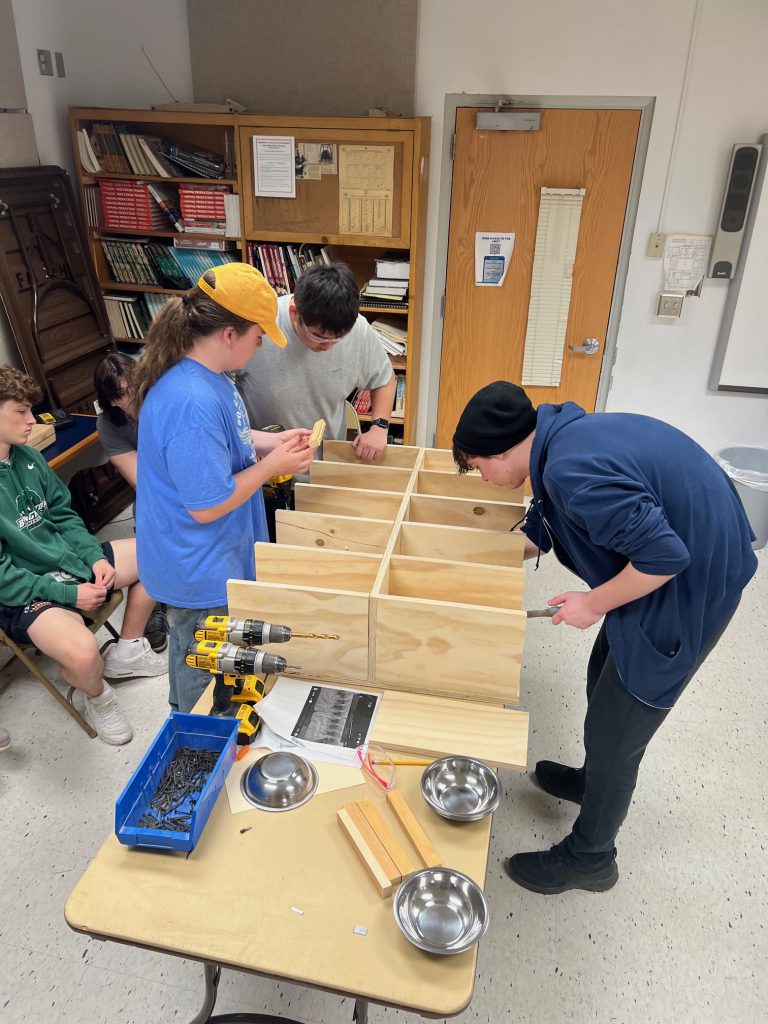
(561, 781)
(549, 872)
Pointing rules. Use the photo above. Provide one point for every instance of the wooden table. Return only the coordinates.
(75, 448)
(190, 906)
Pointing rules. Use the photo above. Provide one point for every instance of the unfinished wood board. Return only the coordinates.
(477, 513)
(440, 580)
(344, 501)
(412, 828)
(42, 435)
(461, 543)
(362, 475)
(471, 485)
(310, 610)
(374, 843)
(365, 854)
(448, 648)
(385, 835)
(316, 567)
(342, 533)
(316, 436)
(439, 458)
(438, 727)
(395, 455)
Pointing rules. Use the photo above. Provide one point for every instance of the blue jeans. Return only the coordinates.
(187, 684)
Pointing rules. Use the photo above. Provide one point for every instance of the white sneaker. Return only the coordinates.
(105, 715)
(144, 663)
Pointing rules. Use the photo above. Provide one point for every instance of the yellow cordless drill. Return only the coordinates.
(250, 632)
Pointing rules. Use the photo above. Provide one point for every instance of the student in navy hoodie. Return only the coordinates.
(649, 521)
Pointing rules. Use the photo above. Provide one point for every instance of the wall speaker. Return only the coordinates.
(733, 212)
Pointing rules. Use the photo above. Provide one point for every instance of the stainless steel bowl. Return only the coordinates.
(461, 788)
(279, 781)
(441, 911)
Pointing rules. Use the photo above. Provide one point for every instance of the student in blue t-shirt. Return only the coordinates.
(199, 508)
(652, 525)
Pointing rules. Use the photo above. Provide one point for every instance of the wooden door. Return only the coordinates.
(497, 178)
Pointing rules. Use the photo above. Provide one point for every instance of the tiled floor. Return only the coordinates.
(682, 939)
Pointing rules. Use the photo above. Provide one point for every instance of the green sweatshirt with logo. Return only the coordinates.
(39, 533)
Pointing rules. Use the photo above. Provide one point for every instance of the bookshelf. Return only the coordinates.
(312, 220)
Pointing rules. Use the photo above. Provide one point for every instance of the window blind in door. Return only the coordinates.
(557, 234)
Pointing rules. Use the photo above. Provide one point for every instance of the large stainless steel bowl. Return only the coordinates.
(461, 788)
(279, 781)
(441, 911)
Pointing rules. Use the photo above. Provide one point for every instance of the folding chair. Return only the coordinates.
(24, 654)
(352, 421)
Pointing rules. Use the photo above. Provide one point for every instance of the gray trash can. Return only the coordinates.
(748, 469)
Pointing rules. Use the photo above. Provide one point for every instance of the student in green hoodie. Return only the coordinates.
(53, 573)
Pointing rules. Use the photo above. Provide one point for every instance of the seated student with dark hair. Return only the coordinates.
(118, 428)
(53, 573)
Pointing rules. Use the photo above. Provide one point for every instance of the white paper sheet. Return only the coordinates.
(686, 258)
(493, 251)
(274, 166)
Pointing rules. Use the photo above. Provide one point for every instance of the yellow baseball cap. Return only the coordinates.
(242, 290)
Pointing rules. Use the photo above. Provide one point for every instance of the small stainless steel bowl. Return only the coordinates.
(461, 788)
(441, 911)
(279, 781)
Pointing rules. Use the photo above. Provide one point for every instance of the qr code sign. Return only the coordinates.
(494, 249)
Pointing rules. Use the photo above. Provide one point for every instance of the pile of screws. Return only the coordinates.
(183, 780)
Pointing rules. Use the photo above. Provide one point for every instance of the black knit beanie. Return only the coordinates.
(494, 420)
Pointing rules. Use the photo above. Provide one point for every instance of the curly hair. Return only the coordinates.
(18, 387)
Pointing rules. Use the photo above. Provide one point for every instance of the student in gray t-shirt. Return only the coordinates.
(331, 351)
(116, 423)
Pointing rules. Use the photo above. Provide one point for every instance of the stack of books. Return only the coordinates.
(195, 262)
(128, 318)
(389, 288)
(200, 162)
(141, 261)
(283, 265)
(361, 400)
(94, 212)
(399, 406)
(130, 205)
(392, 334)
(209, 209)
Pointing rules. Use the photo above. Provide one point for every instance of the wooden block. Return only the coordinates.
(310, 610)
(316, 437)
(362, 475)
(450, 648)
(470, 485)
(441, 580)
(346, 501)
(479, 513)
(339, 533)
(316, 567)
(43, 435)
(461, 543)
(404, 456)
(386, 863)
(439, 726)
(363, 851)
(384, 834)
(418, 837)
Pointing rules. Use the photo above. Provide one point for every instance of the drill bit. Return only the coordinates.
(317, 636)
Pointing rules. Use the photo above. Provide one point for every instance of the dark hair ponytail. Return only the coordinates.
(175, 330)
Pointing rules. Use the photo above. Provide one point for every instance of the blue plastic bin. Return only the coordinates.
(200, 732)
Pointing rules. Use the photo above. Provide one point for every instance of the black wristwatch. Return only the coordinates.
(380, 422)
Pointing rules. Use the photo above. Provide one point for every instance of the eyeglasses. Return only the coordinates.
(378, 764)
(319, 338)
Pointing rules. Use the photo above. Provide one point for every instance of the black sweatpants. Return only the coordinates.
(617, 729)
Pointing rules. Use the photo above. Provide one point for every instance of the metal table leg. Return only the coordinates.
(360, 1016)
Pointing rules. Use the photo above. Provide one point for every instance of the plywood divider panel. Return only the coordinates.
(439, 458)
(341, 533)
(461, 543)
(394, 455)
(448, 648)
(366, 477)
(495, 586)
(477, 513)
(471, 485)
(310, 610)
(316, 567)
(436, 727)
(346, 501)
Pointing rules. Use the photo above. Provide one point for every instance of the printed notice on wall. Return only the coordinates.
(274, 166)
(493, 251)
(366, 189)
(685, 261)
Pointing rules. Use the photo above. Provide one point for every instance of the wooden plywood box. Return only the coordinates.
(413, 565)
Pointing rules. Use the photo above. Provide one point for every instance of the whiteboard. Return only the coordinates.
(741, 356)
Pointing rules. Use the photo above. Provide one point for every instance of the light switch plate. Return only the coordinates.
(59, 58)
(44, 62)
(656, 243)
(670, 305)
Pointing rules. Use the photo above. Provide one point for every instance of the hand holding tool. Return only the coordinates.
(543, 613)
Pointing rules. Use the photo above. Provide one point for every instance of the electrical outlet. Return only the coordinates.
(670, 305)
(59, 58)
(44, 62)
(656, 243)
